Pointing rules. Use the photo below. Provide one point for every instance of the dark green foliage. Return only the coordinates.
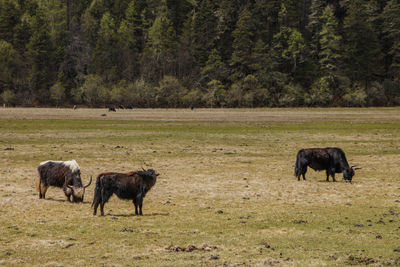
(165, 53)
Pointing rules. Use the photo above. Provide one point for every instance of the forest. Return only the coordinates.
(202, 53)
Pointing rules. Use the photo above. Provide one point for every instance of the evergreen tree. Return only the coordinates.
(159, 55)
(39, 56)
(362, 49)
(391, 20)
(329, 55)
(204, 31)
(243, 44)
(215, 69)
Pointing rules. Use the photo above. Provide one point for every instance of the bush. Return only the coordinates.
(320, 93)
(57, 93)
(170, 92)
(376, 95)
(193, 98)
(355, 97)
(293, 95)
(8, 97)
(215, 95)
(93, 90)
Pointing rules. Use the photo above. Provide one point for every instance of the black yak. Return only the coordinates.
(132, 185)
(65, 174)
(331, 159)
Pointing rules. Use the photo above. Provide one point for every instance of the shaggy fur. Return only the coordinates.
(331, 159)
(132, 186)
(63, 174)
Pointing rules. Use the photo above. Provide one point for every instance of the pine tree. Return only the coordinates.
(243, 44)
(39, 56)
(362, 49)
(329, 55)
(159, 55)
(391, 20)
(215, 68)
(105, 54)
(204, 31)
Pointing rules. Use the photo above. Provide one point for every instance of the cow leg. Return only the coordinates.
(304, 173)
(333, 176)
(327, 175)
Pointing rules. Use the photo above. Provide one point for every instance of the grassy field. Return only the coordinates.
(226, 194)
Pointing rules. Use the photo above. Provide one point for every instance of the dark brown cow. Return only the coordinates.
(132, 185)
(64, 174)
(331, 159)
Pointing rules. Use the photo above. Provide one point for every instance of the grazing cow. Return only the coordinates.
(330, 159)
(65, 174)
(129, 107)
(111, 109)
(132, 185)
(121, 107)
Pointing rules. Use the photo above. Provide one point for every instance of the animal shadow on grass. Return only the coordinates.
(64, 200)
(144, 215)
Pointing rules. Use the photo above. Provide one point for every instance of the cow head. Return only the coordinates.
(78, 192)
(349, 173)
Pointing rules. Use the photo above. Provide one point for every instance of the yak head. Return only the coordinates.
(78, 192)
(348, 173)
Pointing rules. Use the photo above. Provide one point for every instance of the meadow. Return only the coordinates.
(226, 194)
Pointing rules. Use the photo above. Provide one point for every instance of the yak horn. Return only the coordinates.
(89, 182)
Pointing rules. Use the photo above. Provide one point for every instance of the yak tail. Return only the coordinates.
(38, 184)
(97, 190)
(297, 167)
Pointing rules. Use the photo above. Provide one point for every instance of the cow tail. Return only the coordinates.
(97, 190)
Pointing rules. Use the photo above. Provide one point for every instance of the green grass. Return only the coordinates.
(226, 181)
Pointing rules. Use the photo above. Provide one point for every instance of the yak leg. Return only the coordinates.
(139, 202)
(140, 206)
(42, 190)
(327, 175)
(332, 173)
(95, 206)
(104, 198)
(136, 206)
(333, 176)
(302, 173)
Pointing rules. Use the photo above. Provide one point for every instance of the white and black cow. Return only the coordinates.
(64, 174)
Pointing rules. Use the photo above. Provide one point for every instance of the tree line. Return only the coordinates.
(204, 53)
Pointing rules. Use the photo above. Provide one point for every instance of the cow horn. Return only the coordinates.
(358, 168)
(70, 187)
(143, 169)
(352, 166)
(89, 182)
